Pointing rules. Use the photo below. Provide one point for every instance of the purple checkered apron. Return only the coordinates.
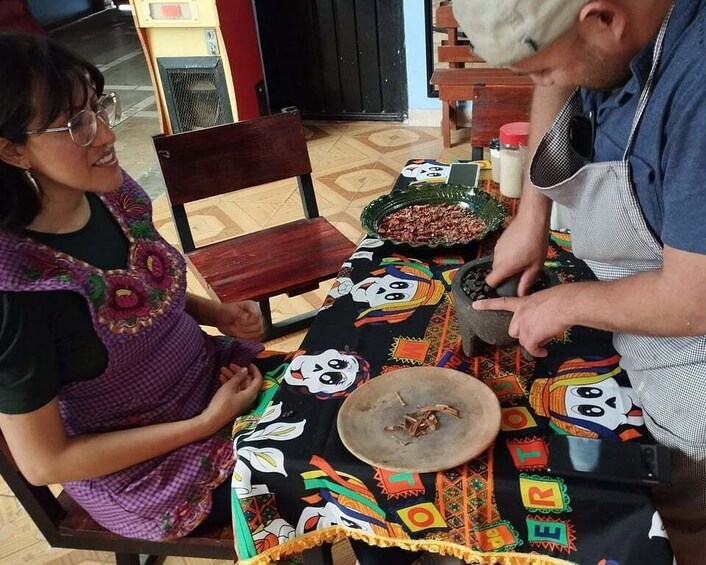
(161, 368)
(610, 233)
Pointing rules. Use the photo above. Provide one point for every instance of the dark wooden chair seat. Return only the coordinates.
(495, 105)
(243, 271)
(291, 258)
(466, 73)
(78, 529)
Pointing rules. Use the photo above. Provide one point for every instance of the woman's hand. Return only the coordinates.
(241, 319)
(239, 389)
(232, 371)
(237, 319)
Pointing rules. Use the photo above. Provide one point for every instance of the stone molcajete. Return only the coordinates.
(489, 326)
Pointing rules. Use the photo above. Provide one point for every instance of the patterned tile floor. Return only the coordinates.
(353, 163)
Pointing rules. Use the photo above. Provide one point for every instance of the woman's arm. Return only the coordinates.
(46, 454)
(204, 310)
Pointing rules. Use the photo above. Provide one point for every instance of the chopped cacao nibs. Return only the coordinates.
(431, 223)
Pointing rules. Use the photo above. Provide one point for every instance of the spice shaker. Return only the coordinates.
(513, 145)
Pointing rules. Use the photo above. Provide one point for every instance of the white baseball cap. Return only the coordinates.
(503, 32)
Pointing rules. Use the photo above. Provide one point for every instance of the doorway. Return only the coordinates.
(335, 59)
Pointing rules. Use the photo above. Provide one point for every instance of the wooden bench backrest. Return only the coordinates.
(221, 159)
(453, 50)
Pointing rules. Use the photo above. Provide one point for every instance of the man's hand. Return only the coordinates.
(241, 319)
(537, 317)
(522, 248)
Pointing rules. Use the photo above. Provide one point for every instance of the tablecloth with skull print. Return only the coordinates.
(296, 486)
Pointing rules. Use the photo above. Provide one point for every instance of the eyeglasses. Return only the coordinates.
(83, 126)
(582, 129)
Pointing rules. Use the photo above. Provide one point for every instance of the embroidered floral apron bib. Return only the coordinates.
(161, 368)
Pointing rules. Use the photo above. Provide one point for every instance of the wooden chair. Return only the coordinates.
(495, 105)
(465, 74)
(292, 258)
(65, 524)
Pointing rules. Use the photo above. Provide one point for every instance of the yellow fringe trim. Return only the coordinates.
(334, 534)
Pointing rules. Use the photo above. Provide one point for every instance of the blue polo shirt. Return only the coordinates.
(668, 159)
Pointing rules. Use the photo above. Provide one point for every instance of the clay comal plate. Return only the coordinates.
(367, 411)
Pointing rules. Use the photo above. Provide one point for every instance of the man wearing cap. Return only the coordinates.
(627, 155)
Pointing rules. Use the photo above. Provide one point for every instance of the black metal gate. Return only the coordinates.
(335, 58)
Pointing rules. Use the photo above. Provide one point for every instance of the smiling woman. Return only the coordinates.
(107, 383)
(57, 87)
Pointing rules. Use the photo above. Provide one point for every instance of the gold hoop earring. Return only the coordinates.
(29, 177)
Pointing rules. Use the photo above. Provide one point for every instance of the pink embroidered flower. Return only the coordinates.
(130, 205)
(41, 266)
(125, 299)
(151, 260)
(185, 517)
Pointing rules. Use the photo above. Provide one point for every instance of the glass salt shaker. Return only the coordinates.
(513, 145)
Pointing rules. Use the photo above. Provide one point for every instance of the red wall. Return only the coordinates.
(240, 37)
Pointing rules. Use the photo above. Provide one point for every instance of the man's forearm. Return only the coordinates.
(642, 304)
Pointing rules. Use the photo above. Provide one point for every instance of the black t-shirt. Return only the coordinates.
(47, 338)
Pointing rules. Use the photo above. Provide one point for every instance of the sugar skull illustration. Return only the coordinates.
(585, 399)
(395, 290)
(392, 292)
(347, 502)
(328, 374)
(427, 171)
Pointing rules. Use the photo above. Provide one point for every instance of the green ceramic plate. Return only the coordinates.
(482, 204)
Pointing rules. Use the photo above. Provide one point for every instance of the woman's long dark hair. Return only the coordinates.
(38, 78)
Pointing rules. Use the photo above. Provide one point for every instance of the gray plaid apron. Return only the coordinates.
(610, 234)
